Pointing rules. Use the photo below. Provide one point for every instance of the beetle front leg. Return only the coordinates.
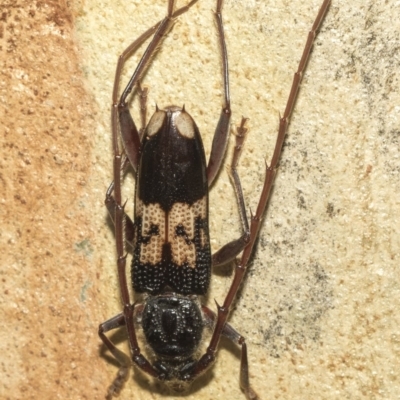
(123, 360)
(128, 318)
(233, 335)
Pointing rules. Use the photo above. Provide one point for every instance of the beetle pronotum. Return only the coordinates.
(172, 260)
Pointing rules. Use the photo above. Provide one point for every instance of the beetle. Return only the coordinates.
(169, 234)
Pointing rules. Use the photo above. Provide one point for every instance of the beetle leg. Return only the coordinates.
(233, 335)
(123, 360)
(131, 140)
(129, 225)
(231, 250)
(223, 311)
(221, 134)
(131, 136)
(143, 108)
(129, 132)
(120, 110)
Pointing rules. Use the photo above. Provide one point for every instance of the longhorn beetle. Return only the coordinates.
(169, 235)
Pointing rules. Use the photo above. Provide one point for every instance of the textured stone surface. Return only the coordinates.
(319, 307)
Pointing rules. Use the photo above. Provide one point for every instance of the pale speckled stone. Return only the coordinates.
(320, 306)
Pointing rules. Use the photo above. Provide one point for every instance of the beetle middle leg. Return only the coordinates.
(110, 201)
(229, 251)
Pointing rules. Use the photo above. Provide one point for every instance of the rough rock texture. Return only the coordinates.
(320, 306)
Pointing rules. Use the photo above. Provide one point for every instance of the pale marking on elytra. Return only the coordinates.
(151, 252)
(155, 123)
(180, 119)
(182, 247)
(184, 124)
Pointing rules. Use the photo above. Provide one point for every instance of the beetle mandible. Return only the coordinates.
(169, 234)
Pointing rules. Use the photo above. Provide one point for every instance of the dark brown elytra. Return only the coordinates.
(171, 314)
